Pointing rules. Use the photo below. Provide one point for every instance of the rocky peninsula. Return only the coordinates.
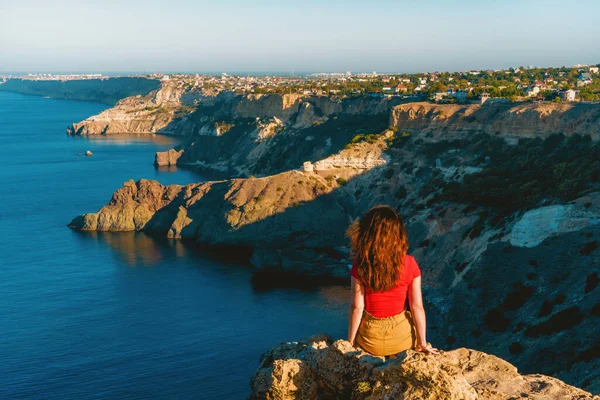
(321, 368)
(502, 202)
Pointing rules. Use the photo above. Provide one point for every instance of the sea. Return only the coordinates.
(122, 315)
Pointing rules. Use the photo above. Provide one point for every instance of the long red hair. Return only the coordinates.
(379, 243)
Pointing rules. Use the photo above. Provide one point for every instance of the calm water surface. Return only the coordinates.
(120, 315)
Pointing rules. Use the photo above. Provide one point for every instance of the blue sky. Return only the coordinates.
(300, 36)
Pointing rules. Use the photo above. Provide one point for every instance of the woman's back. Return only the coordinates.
(383, 276)
(391, 302)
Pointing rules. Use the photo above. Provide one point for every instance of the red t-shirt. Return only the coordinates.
(393, 301)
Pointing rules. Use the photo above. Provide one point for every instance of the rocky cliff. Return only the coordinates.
(505, 226)
(242, 135)
(267, 134)
(266, 214)
(107, 91)
(149, 113)
(321, 368)
(506, 119)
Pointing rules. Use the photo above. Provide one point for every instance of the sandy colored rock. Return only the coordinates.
(508, 119)
(292, 371)
(533, 306)
(150, 113)
(167, 158)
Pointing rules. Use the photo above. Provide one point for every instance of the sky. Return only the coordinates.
(297, 36)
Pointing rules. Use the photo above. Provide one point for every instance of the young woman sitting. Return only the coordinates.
(383, 276)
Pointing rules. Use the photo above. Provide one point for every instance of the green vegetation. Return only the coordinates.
(374, 137)
(341, 181)
(399, 139)
(158, 110)
(363, 387)
(183, 111)
(401, 193)
(561, 321)
(363, 137)
(534, 172)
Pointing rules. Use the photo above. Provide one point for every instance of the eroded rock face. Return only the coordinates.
(265, 213)
(322, 368)
(167, 158)
(535, 306)
(537, 225)
(154, 112)
(510, 120)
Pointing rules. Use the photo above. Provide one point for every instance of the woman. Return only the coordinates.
(383, 275)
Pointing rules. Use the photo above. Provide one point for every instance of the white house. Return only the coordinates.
(439, 96)
(484, 97)
(400, 88)
(568, 95)
(593, 70)
(532, 90)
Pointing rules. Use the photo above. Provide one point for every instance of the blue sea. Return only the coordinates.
(121, 315)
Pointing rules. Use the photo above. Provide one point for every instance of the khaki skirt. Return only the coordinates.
(386, 336)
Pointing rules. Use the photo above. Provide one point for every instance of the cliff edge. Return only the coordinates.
(321, 368)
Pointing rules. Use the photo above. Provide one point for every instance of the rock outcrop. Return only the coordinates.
(537, 225)
(506, 119)
(267, 214)
(167, 158)
(150, 113)
(500, 272)
(321, 368)
(254, 134)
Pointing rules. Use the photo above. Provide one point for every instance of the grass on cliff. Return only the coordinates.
(534, 172)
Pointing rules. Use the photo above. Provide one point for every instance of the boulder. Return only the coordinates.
(167, 158)
(322, 368)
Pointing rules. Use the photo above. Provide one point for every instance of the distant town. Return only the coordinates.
(574, 83)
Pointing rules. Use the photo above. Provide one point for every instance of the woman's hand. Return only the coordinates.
(426, 348)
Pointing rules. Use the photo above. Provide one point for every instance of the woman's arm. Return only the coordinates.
(357, 305)
(418, 313)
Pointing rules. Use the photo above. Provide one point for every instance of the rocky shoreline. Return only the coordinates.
(502, 204)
